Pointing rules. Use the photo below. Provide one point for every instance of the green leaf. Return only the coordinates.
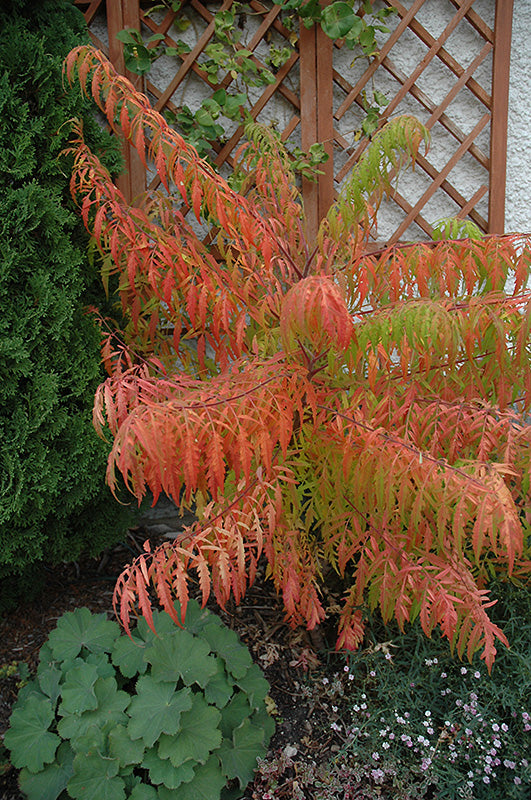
(225, 643)
(111, 705)
(78, 690)
(49, 680)
(198, 735)
(92, 740)
(52, 780)
(338, 20)
(203, 117)
(181, 656)
(143, 792)
(219, 690)
(163, 771)
(238, 758)
(138, 59)
(380, 98)
(96, 778)
(31, 743)
(197, 617)
(262, 720)
(207, 784)
(128, 36)
(125, 749)
(102, 664)
(156, 709)
(162, 622)
(254, 685)
(234, 714)
(81, 628)
(128, 656)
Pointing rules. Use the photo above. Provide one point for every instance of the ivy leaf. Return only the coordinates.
(238, 758)
(31, 743)
(198, 735)
(96, 778)
(207, 784)
(225, 643)
(156, 709)
(81, 628)
(338, 20)
(128, 656)
(78, 690)
(181, 656)
(162, 770)
(52, 780)
(125, 749)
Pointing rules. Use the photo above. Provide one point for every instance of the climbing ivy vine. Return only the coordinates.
(353, 22)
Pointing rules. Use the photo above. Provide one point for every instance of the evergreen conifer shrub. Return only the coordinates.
(53, 501)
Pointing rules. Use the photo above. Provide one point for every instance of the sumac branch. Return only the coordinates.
(316, 404)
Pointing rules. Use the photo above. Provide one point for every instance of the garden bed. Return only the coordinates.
(327, 744)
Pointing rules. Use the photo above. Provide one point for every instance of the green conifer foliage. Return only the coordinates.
(53, 501)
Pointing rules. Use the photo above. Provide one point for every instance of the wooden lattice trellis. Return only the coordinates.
(325, 94)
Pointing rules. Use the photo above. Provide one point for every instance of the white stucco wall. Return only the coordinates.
(518, 197)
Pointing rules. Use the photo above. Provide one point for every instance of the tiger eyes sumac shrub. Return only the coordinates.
(51, 465)
(317, 404)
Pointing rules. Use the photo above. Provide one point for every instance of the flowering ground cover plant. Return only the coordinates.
(421, 727)
(315, 404)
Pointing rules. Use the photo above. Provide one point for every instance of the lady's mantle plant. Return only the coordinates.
(315, 404)
(111, 717)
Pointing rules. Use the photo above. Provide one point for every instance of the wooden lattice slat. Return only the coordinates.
(318, 99)
(439, 113)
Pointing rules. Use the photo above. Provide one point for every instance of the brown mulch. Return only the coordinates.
(286, 656)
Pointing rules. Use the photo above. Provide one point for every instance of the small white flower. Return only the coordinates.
(464, 670)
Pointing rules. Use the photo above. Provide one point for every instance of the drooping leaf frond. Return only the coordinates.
(390, 150)
(320, 406)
